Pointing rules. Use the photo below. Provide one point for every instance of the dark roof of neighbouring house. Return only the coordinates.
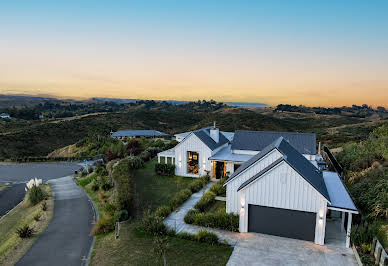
(138, 133)
(204, 135)
(304, 143)
(291, 156)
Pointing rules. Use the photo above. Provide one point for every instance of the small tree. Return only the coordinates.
(160, 245)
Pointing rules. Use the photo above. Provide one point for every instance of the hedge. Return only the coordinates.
(220, 219)
(164, 169)
(206, 201)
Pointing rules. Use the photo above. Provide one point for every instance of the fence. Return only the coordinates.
(379, 253)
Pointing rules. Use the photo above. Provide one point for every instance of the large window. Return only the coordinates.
(192, 162)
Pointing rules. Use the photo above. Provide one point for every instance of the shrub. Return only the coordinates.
(190, 216)
(181, 197)
(145, 156)
(218, 189)
(104, 182)
(196, 185)
(135, 162)
(110, 209)
(206, 237)
(207, 199)
(95, 187)
(164, 169)
(153, 151)
(362, 234)
(44, 206)
(220, 219)
(37, 217)
(153, 224)
(103, 226)
(186, 236)
(163, 211)
(25, 231)
(121, 215)
(36, 194)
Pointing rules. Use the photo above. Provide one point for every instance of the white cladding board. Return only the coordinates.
(282, 187)
(191, 143)
(232, 199)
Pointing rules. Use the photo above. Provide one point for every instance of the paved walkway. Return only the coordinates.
(66, 240)
(260, 249)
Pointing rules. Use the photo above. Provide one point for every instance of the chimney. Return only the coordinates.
(215, 133)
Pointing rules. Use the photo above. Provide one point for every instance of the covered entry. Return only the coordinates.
(281, 222)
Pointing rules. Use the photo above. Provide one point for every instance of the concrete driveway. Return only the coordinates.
(66, 240)
(260, 249)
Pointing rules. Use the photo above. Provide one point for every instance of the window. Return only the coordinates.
(192, 162)
(236, 166)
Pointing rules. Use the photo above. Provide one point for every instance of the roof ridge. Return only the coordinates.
(264, 131)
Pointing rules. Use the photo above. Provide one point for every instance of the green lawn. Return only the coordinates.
(153, 190)
(136, 248)
(218, 205)
(2, 187)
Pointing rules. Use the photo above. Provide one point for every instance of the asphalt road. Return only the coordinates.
(10, 197)
(66, 240)
(24, 172)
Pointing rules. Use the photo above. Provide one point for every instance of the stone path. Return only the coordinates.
(260, 249)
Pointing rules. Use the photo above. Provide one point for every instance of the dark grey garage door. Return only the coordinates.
(281, 222)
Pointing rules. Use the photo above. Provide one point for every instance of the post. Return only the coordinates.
(349, 227)
(342, 221)
(158, 159)
(165, 159)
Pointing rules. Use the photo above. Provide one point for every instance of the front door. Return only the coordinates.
(220, 166)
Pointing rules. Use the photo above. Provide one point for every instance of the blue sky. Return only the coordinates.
(269, 51)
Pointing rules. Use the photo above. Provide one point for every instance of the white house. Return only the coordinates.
(275, 184)
(5, 115)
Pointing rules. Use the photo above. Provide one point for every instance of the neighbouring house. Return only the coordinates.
(122, 134)
(276, 183)
(5, 115)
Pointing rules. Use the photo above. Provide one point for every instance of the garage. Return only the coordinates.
(281, 222)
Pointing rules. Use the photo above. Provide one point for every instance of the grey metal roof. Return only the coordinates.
(305, 143)
(339, 196)
(228, 135)
(138, 133)
(204, 135)
(225, 154)
(296, 160)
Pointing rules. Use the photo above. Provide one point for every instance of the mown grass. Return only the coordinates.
(153, 190)
(216, 206)
(12, 247)
(135, 248)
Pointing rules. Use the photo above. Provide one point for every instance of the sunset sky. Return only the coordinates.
(327, 53)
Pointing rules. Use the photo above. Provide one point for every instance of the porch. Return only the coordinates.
(167, 157)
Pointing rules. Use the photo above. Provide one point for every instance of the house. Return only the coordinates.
(209, 150)
(4, 115)
(122, 134)
(180, 136)
(280, 192)
(275, 184)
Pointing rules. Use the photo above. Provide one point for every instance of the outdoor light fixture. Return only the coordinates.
(242, 202)
(320, 221)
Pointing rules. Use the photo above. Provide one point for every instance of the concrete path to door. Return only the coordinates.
(66, 240)
(260, 249)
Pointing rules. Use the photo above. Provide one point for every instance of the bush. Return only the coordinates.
(206, 237)
(153, 151)
(135, 162)
(121, 215)
(110, 209)
(363, 235)
(220, 219)
(145, 156)
(103, 226)
(163, 211)
(164, 169)
(104, 182)
(181, 197)
(25, 231)
(44, 206)
(37, 217)
(186, 236)
(153, 224)
(196, 185)
(95, 187)
(36, 194)
(190, 216)
(218, 189)
(207, 199)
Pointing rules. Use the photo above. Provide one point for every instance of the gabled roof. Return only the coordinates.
(225, 154)
(304, 143)
(228, 135)
(293, 158)
(204, 135)
(138, 133)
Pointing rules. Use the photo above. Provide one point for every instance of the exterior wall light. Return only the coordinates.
(320, 221)
(242, 201)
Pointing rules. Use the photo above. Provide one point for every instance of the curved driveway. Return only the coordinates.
(66, 240)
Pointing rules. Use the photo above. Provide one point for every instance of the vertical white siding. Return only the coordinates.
(191, 143)
(282, 187)
(232, 199)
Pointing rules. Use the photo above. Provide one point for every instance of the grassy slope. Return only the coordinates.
(154, 191)
(134, 247)
(12, 247)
